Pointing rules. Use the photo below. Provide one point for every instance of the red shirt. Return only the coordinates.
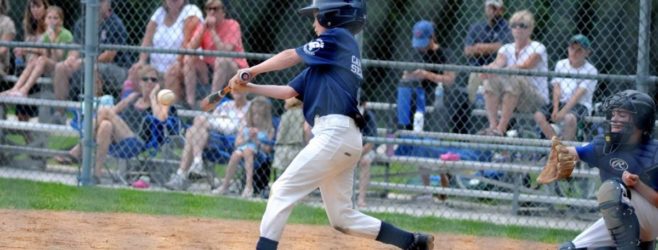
(228, 32)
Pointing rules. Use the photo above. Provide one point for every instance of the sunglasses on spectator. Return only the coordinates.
(519, 26)
(214, 8)
(150, 79)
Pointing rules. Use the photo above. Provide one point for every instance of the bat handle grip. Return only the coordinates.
(245, 75)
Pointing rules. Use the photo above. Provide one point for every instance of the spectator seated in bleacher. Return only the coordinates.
(483, 40)
(171, 27)
(34, 27)
(424, 49)
(210, 137)
(46, 58)
(7, 34)
(253, 140)
(522, 93)
(572, 97)
(116, 126)
(217, 33)
(111, 64)
(292, 135)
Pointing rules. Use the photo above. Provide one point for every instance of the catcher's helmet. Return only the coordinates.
(640, 105)
(349, 14)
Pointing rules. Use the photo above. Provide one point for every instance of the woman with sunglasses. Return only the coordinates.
(116, 126)
(509, 92)
(218, 33)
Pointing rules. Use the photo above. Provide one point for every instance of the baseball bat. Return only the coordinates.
(211, 100)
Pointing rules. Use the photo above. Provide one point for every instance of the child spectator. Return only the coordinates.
(249, 143)
(47, 58)
(292, 135)
(205, 138)
(368, 154)
(7, 33)
(426, 50)
(572, 98)
(170, 27)
(34, 27)
(527, 94)
(217, 33)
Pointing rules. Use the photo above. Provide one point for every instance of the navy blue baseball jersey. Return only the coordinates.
(333, 75)
(634, 159)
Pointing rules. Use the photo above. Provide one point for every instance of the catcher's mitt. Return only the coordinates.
(560, 163)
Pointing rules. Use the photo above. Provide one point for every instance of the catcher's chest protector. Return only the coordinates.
(634, 160)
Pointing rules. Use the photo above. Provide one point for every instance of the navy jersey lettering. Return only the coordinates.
(329, 83)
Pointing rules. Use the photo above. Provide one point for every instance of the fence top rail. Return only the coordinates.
(366, 62)
(480, 112)
(421, 139)
(39, 127)
(490, 194)
(438, 165)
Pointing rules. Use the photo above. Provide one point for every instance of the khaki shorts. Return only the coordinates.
(530, 100)
(474, 81)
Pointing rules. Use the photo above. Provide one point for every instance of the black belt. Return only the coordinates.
(358, 120)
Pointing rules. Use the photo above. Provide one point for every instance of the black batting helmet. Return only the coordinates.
(349, 14)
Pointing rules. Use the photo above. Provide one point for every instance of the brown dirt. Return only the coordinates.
(21, 229)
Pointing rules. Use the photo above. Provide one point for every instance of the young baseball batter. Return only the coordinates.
(627, 159)
(328, 87)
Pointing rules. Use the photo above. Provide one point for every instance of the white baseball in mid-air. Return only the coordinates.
(166, 97)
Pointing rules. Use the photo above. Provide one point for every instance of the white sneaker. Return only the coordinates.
(248, 193)
(196, 170)
(177, 183)
(219, 191)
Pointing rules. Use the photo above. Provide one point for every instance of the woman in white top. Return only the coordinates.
(525, 93)
(170, 27)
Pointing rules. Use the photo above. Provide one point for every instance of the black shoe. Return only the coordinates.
(422, 242)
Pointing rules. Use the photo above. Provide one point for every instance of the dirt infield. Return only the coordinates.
(20, 229)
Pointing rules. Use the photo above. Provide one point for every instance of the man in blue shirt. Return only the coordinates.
(328, 87)
(483, 40)
(111, 64)
(627, 159)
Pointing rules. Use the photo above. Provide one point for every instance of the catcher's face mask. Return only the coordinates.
(619, 126)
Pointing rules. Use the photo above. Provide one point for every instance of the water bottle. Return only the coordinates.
(19, 66)
(419, 121)
(479, 97)
(435, 180)
(390, 148)
(438, 98)
(106, 100)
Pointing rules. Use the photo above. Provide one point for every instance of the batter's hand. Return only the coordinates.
(630, 179)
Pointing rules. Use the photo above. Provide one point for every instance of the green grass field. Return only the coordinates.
(21, 194)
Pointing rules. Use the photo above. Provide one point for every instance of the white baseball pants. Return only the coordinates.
(327, 162)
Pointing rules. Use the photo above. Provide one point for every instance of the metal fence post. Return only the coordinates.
(90, 51)
(644, 29)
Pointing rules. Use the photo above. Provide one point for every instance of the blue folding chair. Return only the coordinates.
(164, 138)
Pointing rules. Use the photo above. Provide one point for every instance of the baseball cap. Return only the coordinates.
(497, 3)
(582, 40)
(422, 33)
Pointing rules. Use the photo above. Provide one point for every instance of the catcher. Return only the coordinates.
(627, 158)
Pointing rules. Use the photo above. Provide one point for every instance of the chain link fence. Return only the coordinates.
(440, 147)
